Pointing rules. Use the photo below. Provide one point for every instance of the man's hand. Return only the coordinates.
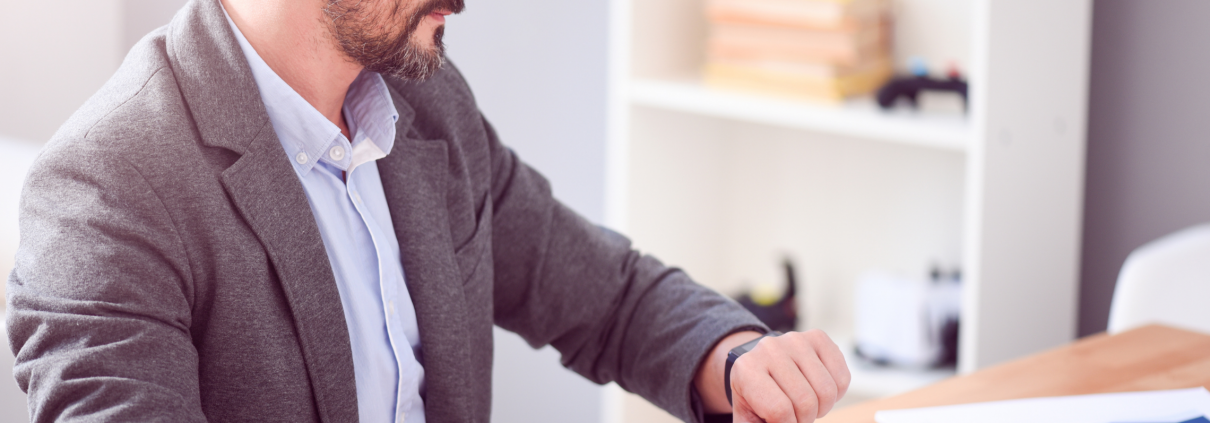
(793, 378)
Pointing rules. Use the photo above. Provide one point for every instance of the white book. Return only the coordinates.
(1171, 406)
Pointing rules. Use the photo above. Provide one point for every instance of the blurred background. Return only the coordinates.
(708, 133)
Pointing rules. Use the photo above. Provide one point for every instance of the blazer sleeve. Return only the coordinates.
(99, 300)
(613, 313)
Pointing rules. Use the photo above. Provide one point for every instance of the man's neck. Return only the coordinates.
(294, 42)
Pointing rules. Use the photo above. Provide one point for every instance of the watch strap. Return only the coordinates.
(734, 355)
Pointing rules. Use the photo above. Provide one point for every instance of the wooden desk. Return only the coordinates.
(1147, 358)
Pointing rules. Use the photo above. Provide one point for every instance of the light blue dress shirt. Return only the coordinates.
(357, 233)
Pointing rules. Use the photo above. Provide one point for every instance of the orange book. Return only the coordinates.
(731, 41)
(789, 80)
(816, 14)
(818, 70)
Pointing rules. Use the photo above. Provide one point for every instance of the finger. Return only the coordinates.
(832, 359)
(794, 383)
(742, 412)
(817, 375)
(755, 389)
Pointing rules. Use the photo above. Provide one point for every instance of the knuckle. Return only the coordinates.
(780, 414)
(806, 404)
(842, 382)
(827, 393)
(805, 412)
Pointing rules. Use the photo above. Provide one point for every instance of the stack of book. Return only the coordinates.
(820, 49)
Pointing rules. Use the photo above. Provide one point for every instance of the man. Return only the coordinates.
(285, 210)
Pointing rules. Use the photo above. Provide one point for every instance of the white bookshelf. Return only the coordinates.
(723, 183)
(856, 118)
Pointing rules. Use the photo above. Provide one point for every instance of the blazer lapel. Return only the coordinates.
(414, 181)
(216, 82)
(265, 190)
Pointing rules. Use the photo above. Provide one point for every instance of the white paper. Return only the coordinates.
(1148, 406)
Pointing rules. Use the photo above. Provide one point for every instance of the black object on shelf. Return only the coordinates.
(948, 333)
(909, 88)
(781, 315)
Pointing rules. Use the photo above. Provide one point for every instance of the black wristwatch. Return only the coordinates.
(734, 355)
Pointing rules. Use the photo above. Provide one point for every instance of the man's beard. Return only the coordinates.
(368, 40)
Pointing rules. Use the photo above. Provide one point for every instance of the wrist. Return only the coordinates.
(709, 380)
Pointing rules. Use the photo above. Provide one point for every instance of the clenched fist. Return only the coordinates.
(793, 378)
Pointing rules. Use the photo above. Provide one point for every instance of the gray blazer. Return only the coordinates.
(170, 268)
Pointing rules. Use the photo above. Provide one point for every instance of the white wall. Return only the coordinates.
(53, 55)
(538, 70)
(18, 157)
(140, 17)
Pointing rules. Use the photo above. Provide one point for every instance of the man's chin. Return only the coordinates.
(413, 60)
(419, 67)
(421, 62)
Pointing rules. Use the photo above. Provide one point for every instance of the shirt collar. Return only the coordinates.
(307, 136)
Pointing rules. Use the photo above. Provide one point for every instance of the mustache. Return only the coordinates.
(337, 10)
(452, 6)
(430, 6)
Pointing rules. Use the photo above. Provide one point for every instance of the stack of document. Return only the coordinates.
(1173, 406)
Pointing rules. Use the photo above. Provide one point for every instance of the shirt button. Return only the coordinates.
(391, 306)
(301, 158)
(337, 153)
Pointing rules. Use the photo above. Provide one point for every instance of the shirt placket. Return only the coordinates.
(390, 295)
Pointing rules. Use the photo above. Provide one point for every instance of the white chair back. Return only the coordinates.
(1165, 281)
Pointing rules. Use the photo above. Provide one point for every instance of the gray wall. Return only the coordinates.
(1148, 136)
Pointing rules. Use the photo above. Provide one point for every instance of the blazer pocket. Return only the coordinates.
(472, 254)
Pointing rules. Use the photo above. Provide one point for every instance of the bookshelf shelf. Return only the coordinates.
(858, 118)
